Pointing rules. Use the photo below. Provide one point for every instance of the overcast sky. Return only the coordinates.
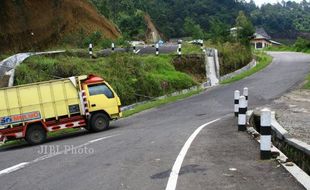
(260, 2)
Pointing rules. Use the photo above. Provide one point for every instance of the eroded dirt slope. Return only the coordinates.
(25, 24)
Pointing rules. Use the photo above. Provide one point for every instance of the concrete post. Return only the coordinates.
(157, 49)
(134, 48)
(236, 104)
(179, 48)
(246, 95)
(90, 50)
(265, 131)
(242, 114)
(113, 47)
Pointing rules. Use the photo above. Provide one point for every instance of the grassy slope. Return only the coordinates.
(133, 77)
(285, 48)
(263, 61)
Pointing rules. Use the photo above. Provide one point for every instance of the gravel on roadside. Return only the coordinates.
(293, 113)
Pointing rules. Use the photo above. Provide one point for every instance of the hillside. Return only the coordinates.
(27, 25)
(287, 19)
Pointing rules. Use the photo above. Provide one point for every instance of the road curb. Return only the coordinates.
(194, 88)
(301, 176)
(249, 66)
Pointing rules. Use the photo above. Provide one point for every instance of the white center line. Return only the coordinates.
(23, 164)
(173, 178)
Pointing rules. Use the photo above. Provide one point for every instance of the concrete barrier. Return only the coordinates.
(7, 66)
(296, 150)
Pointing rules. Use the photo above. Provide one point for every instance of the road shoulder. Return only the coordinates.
(223, 158)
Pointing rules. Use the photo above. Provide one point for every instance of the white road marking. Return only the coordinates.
(137, 51)
(23, 164)
(14, 168)
(102, 138)
(173, 178)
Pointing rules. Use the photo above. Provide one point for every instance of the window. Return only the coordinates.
(100, 89)
(259, 45)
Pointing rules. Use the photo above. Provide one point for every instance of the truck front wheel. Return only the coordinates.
(99, 122)
(35, 135)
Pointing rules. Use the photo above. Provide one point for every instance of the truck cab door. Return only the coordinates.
(101, 97)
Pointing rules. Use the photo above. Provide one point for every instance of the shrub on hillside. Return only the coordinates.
(233, 56)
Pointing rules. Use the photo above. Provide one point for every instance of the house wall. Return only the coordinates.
(260, 43)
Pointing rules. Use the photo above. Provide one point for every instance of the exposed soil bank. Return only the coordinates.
(31, 25)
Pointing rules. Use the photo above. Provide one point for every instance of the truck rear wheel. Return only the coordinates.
(99, 122)
(35, 135)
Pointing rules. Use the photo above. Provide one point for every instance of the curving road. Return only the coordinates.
(138, 152)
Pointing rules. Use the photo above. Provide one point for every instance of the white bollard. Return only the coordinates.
(179, 48)
(242, 114)
(157, 49)
(134, 48)
(246, 95)
(236, 102)
(265, 132)
(90, 50)
(113, 46)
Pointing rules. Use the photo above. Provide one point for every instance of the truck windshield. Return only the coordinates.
(100, 89)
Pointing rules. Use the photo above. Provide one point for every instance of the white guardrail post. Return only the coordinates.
(265, 131)
(157, 49)
(113, 47)
(236, 102)
(242, 114)
(90, 50)
(179, 48)
(246, 95)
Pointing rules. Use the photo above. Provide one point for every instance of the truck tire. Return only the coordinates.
(99, 122)
(35, 134)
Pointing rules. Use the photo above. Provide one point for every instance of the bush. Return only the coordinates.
(302, 45)
(233, 56)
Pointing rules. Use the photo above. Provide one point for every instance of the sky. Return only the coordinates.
(260, 2)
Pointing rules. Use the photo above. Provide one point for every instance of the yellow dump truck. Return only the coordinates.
(30, 111)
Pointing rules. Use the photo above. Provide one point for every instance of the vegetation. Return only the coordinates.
(301, 45)
(135, 78)
(263, 60)
(82, 40)
(233, 56)
(282, 20)
(307, 85)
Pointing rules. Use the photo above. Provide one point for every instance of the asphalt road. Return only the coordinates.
(138, 152)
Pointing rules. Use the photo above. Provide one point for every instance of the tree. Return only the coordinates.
(192, 29)
(219, 31)
(245, 29)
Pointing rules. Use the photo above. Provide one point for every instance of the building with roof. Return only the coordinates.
(261, 39)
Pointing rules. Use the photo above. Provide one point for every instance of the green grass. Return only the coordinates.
(307, 85)
(130, 75)
(286, 48)
(263, 61)
(2, 57)
(191, 49)
(13, 143)
(156, 103)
